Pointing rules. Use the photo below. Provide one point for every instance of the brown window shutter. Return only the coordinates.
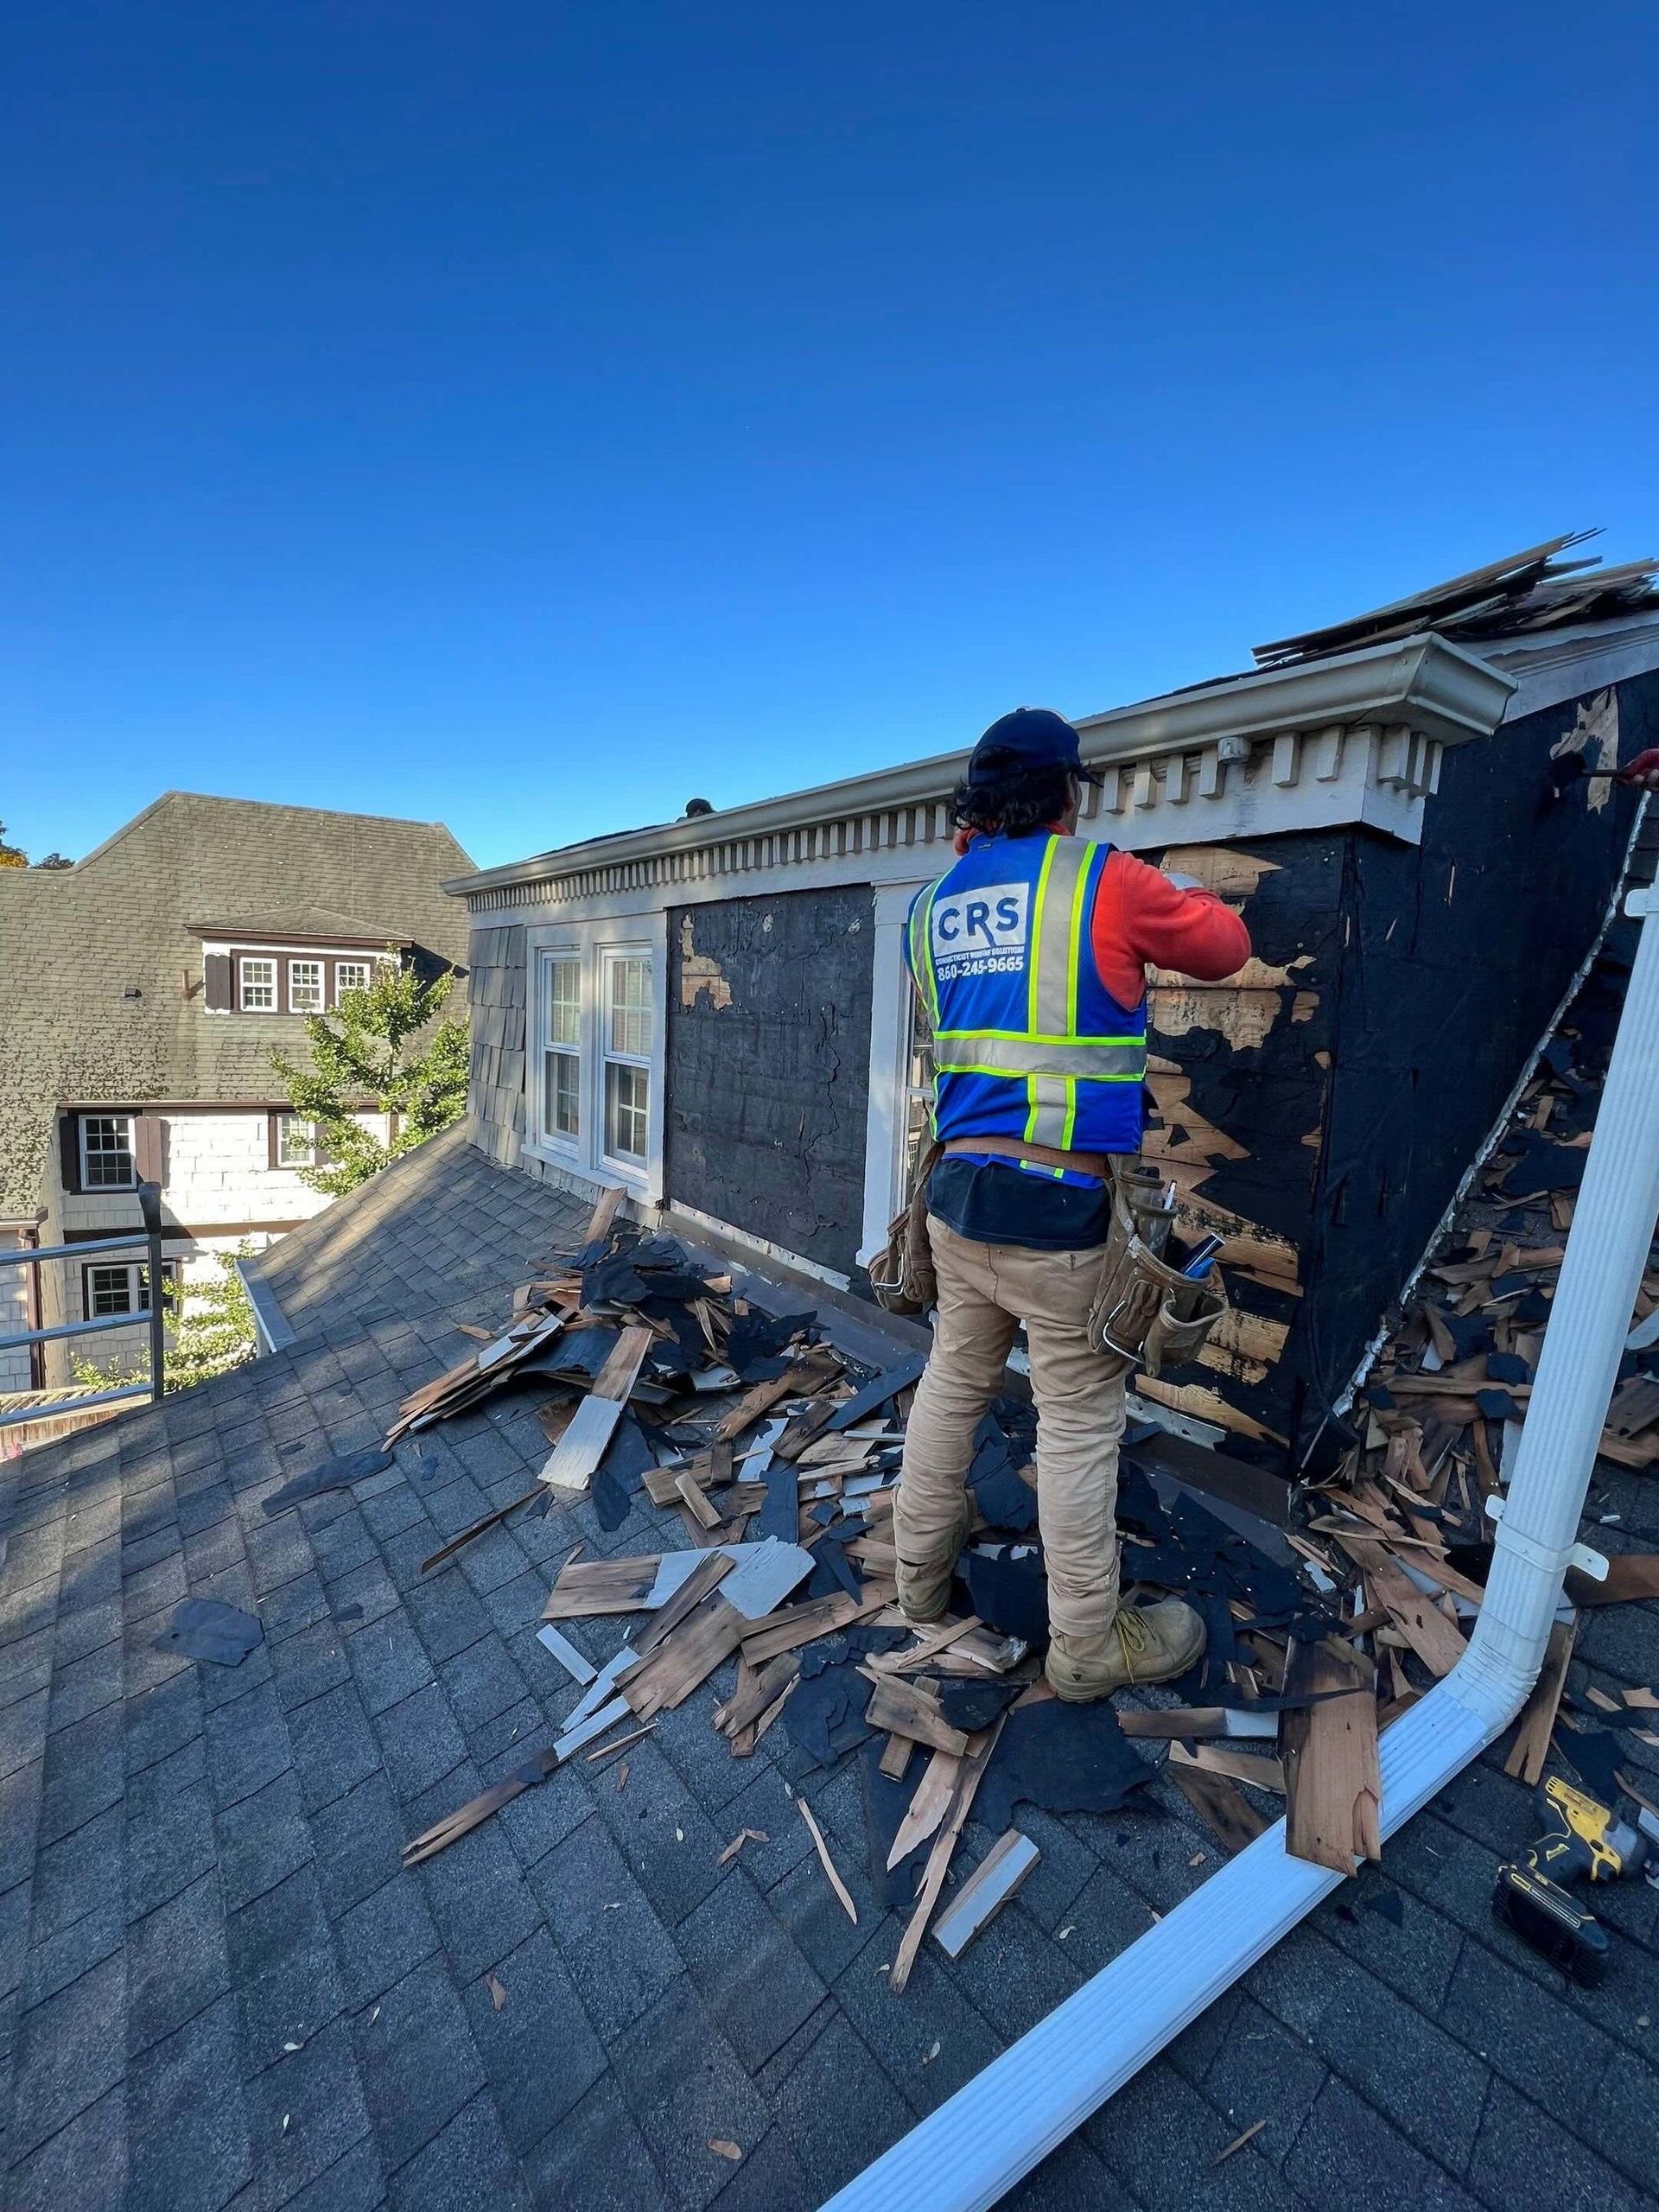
(146, 1147)
(273, 1130)
(216, 973)
(69, 1150)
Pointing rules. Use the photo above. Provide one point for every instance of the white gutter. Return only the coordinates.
(978, 2145)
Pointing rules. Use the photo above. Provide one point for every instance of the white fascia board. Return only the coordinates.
(1447, 694)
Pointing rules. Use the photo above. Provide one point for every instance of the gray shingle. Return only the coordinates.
(838, 2110)
(686, 2087)
(186, 2130)
(748, 1970)
(469, 2164)
(282, 1966)
(84, 2164)
(417, 2061)
(596, 2160)
(70, 2050)
(176, 1963)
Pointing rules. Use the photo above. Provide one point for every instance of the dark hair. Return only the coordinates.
(1015, 803)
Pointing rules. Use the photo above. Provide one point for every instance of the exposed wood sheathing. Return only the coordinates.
(767, 1076)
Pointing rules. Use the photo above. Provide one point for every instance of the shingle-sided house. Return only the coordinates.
(1413, 813)
(142, 993)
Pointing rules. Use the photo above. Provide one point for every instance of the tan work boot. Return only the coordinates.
(1150, 1643)
(925, 1591)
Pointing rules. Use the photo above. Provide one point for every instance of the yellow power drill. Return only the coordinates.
(1582, 1838)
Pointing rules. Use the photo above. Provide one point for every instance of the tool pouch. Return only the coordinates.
(1147, 1314)
(902, 1280)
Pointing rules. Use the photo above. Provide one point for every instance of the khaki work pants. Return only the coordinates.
(985, 1292)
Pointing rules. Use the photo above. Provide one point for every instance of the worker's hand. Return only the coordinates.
(1643, 771)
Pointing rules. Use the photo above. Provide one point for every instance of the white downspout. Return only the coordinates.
(966, 2154)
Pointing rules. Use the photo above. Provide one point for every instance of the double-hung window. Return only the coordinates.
(594, 1078)
(257, 992)
(305, 991)
(106, 1155)
(561, 1048)
(296, 1142)
(350, 975)
(123, 1287)
(626, 1055)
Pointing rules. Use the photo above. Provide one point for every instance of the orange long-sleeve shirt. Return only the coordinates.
(1142, 919)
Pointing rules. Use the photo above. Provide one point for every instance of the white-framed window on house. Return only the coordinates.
(305, 987)
(296, 1142)
(562, 1047)
(122, 1286)
(594, 1076)
(350, 975)
(106, 1155)
(625, 1052)
(256, 986)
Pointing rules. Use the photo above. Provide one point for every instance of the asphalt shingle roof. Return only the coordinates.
(217, 1987)
(75, 940)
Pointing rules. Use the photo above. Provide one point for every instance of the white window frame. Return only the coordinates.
(610, 1056)
(321, 968)
(88, 1183)
(256, 960)
(365, 967)
(597, 946)
(137, 1304)
(285, 1123)
(893, 1009)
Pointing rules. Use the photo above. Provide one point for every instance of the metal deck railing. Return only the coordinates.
(149, 1205)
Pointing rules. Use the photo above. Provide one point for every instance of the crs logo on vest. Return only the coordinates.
(981, 933)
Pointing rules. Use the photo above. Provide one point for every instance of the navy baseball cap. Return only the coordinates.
(1031, 737)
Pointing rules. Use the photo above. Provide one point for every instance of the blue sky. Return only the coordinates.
(531, 416)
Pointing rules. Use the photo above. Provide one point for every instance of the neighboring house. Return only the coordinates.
(716, 1013)
(142, 993)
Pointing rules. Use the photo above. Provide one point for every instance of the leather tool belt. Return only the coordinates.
(1147, 1314)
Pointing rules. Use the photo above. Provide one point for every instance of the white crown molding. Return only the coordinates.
(1355, 739)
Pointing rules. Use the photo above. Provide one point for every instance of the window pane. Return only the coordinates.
(296, 1141)
(625, 1093)
(350, 975)
(630, 1003)
(259, 986)
(564, 1002)
(109, 1291)
(107, 1138)
(305, 986)
(562, 1114)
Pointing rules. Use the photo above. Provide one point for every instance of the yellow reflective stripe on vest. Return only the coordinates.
(1060, 889)
(921, 950)
(1121, 1059)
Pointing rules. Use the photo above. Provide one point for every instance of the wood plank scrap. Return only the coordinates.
(582, 1447)
(1333, 1782)
(1532, 1739)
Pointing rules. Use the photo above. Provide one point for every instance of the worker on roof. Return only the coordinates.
(1029, 957)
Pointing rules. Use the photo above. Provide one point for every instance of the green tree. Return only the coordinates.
(365, 1056)
(212, 1331)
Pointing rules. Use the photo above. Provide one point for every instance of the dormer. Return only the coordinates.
(293, 964)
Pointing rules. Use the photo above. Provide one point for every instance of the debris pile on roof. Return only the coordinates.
(1528, 591)
(1401, 1530)
(780, 1455)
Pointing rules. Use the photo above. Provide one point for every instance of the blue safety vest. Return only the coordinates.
(1027, 1041)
